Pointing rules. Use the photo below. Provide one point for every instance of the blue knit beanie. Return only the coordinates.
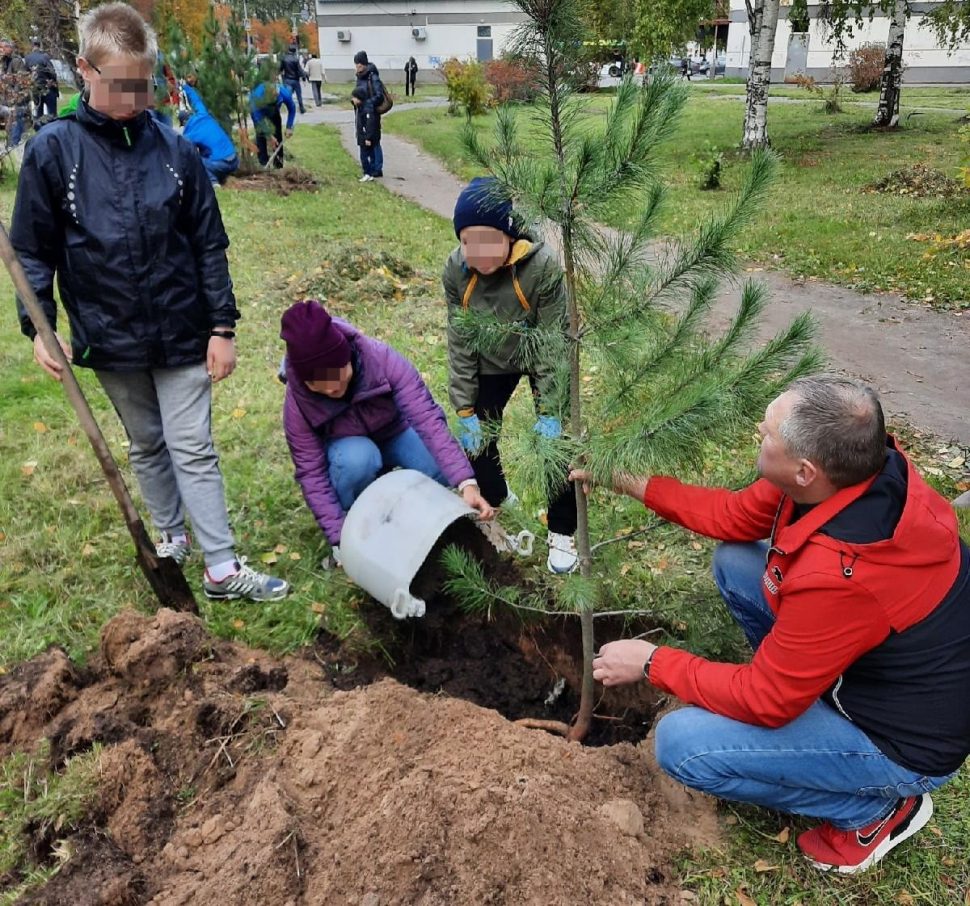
(482, 203)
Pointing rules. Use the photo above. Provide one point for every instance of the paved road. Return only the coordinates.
(918, 358)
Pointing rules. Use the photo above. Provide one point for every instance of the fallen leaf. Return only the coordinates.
(238, 412)
(269, 558)
(784, 835)
(743, 897)
(294, 555)
(625, 568)
(41, 428)
(27, 469)
(87, 550)
(956, 462)
(72, 440)
(949, 861)
(280, 548)
(239, 624)
(730, 819)
(763, 865)
(317, 607)
(3, 536)
(905, 898)
(696, 545)
(932, 470)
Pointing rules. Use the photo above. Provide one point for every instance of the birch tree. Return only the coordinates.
(762, 25)
(890, 86)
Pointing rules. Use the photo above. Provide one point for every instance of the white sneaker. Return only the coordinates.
(562, 557)
(365, 178)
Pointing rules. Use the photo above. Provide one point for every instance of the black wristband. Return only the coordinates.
(223, 332)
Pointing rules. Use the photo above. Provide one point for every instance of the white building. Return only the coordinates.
(811, 52)
(431, 31)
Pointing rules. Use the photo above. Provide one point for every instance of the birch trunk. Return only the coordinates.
(763, 27)
(890, 86)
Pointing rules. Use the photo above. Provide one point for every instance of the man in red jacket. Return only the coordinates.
(853, 706)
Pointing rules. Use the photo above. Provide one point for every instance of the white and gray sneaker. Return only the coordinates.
(366, 178)
(179, 551)
(245, 583)
(562, 557)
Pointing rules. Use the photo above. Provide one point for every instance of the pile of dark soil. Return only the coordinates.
(917, 181)
(283, 181)
(229, 776)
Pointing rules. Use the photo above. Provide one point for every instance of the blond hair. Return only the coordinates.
(116, 29)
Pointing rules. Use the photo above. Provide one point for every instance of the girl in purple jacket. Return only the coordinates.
(354, 407)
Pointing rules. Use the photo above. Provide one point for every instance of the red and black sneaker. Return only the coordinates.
(851, 851)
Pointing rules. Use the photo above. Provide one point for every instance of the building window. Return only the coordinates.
(484, 31)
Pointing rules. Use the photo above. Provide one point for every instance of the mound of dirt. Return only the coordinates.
(283, 181)
(229, 776)
(917, 181)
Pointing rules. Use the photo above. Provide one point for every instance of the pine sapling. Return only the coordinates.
(643, 385)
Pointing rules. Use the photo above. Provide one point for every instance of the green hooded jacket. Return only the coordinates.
(528, 289)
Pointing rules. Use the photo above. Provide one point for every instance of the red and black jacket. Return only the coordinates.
(871, 593)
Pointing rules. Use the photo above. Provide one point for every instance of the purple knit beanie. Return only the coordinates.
(314, 344)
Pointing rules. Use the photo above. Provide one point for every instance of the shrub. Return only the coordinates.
(711, 163)
(512, 79)
(866, 64)
(468, 91)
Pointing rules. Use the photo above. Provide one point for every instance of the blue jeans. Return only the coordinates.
(218, 170)
(367, 158)
(378, 160)
(296, 87)
(356, 461)
(819, 764)
(15, 125)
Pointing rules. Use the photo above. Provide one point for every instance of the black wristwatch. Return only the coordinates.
(646, 665)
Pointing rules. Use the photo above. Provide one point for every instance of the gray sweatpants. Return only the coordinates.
(167, 413)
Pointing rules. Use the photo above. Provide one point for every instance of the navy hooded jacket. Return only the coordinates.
(125, 215)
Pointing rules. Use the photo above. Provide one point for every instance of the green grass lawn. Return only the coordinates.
(819, 220)
(66, 564)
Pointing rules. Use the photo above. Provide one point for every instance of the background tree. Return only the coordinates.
(663, 26)
(657, 387)
(762, 26)
(842, 17)
(950, 19)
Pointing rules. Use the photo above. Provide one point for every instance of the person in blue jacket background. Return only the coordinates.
(218, 153)
(264, 105)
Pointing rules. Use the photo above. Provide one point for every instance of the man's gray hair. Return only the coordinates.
(116, 29)
(836, 424)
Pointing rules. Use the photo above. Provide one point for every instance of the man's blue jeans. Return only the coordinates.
(819, 764)
(296, 87)
(356, 461)
(219, 170)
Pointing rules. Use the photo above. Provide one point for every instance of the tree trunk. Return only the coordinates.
(763, 30)
(577, 732)
(890, 86)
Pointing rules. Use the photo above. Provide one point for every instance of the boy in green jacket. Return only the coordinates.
(499, 272)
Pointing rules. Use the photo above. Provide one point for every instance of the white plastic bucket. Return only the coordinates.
(389, 532)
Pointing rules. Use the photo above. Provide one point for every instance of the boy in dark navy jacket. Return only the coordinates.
(121, 209)
(368, 133)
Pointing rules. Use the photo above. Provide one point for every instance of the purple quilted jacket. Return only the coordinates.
(388, 396)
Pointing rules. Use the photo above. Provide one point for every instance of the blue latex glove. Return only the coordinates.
(471, 436)
(548, 426)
